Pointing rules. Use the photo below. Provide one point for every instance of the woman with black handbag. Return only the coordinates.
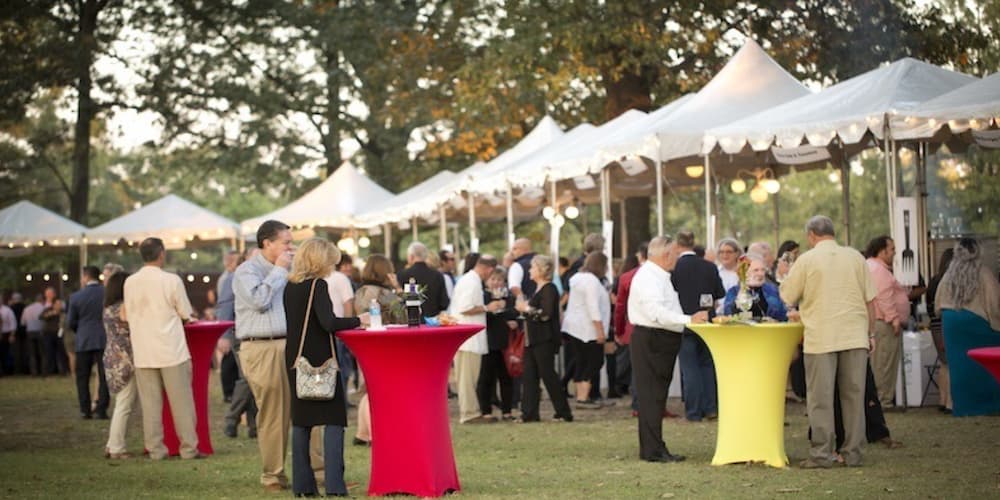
(317, 391)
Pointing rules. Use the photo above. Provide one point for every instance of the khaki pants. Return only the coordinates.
(176, 382)
(263, 363)
(467, 374)
(124, 406)
(848, 370)
(885, 362)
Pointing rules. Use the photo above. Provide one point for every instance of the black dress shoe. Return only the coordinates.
(666, 458)
(230, 430)
(86, 416)
(361, 442)
(102, 415)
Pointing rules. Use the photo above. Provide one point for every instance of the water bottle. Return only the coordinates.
(375, 316)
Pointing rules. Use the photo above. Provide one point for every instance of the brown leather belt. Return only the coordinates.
(258, 339)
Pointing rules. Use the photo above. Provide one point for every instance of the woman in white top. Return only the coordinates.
(588, 315)
(728, 255)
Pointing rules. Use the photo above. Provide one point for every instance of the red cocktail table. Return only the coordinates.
(201, 339)
(988, 357)
(406, 370)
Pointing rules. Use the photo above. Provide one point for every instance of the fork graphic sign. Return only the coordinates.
(906, 264)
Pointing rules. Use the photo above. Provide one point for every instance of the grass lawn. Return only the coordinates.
(47, 451)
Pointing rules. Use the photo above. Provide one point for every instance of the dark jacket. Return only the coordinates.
(322, 325)
(692, 277)
(542, 323)
(527, 284)
(435, 293)
(497, 331)
(86, 318)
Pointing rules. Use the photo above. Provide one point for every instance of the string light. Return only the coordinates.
(364, 242)
(27, 278)
(205, 279)
(46, 276)
(572, 212)
(65, 277)
(694, 171)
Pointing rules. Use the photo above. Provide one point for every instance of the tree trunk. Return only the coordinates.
(86, 46)
(331, 139)
(630, 91)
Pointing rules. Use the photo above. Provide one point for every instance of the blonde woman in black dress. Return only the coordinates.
(314, 260)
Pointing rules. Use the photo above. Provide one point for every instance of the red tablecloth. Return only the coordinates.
(406, 370)
(988, 357)
(201, 339)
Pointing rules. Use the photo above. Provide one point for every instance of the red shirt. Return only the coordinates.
(623, 328)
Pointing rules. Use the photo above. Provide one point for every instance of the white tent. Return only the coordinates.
(403, 206)
(25, 224)
(749, 83)
(335, 203)
(973, 106)
(173, 219)
(848, 110)
(546, 131)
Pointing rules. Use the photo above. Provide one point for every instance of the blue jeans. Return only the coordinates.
(303, 480)
(346, 360)
(698, 375)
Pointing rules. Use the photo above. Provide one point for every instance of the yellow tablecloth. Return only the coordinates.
(751, 365)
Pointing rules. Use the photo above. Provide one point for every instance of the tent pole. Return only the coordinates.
(890, 176)
(604, 197)
(416, 232)
(659, 199)
(777, 222)
(922, 243)
(387, 241)
(510, 216)
(83, 252)
(709, 230)
(845, 184)
(442, 227)
(623, 230)
(473, 237)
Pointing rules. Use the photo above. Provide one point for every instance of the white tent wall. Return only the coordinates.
(26, 225)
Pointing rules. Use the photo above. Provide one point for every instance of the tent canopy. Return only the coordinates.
(335, 203)
(848, 110)
(171, 218)
(26, 224)
(972, 106)
(402, 206)
(749, 83)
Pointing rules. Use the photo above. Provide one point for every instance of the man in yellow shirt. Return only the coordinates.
(834, 291)
(157, 306)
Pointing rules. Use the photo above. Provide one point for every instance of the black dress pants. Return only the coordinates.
(491, 371)
(228, 373)
(654, 353)
(539, 365)
(84, 362)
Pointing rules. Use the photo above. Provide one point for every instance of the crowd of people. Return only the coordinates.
(571, 319)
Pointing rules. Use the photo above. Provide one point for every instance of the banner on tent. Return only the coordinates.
(584, 182)
(987, 138)
(800, 155)
(906, 263)
(634, 166)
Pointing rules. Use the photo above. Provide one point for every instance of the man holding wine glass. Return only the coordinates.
(699, 287)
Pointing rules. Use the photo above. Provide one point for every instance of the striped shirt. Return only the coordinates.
(259, 288)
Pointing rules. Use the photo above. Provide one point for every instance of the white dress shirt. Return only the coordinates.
(31, 317)
(588, 302)
(468, 295)
(8, 322)
(515, 275)
(339, 286)
(653, 301)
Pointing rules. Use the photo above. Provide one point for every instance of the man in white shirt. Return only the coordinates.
(655, 310)
(157, 306)
(468, 306)
(342, 297)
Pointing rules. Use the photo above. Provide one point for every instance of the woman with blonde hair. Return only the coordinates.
(311, 324)
(378, 283)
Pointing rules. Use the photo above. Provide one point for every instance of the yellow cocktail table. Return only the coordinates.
(751, 365)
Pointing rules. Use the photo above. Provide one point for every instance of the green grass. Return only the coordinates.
(46, 451)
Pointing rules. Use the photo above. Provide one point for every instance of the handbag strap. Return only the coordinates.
(305, 326)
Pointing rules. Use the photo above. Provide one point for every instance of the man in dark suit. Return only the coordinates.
(696, 279)
(85, 317)
(432, 281)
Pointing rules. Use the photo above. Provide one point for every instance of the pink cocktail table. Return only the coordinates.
(201, 339)
(406, 370)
